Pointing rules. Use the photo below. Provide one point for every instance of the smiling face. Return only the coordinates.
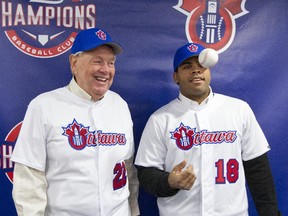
(193, 79)
(94, 70)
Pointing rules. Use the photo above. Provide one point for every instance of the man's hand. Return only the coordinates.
(182, 180)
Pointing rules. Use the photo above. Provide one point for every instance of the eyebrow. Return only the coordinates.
(191, 60)
(186, 63)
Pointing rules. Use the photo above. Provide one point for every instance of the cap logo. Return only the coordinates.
(101, 35)
(192, 48)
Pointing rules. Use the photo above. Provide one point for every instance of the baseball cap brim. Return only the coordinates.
(116, 47)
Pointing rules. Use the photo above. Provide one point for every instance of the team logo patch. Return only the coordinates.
(211, 22)
(186, 137)
(79, 137)
(46, 28)
(193, 48)
(101, 35)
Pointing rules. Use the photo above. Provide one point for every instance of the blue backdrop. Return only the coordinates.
(250, 36)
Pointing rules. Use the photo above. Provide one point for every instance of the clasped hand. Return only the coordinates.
(182, 179)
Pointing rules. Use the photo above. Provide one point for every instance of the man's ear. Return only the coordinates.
(175, 77)
(73, 60)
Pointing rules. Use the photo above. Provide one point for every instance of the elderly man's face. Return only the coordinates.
(94, 70)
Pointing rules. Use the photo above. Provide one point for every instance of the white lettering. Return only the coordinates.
(79, 16)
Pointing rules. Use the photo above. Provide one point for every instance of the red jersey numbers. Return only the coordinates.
(227, 171)
(120, 178)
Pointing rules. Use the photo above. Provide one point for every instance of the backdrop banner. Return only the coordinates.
(249, 35)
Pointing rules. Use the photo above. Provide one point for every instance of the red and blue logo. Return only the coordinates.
(6, 164)
(46, 28)
(79, 137)
(211, 23)
(186, 137)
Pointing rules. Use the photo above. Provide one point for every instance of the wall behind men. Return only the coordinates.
(252, 66)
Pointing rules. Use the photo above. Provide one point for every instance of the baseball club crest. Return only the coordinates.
(77, 135)
(183, 137)
(211, 22)
(46, 28)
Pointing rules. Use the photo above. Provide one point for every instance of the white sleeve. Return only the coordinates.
(29, 191)
(152, 150)
(254, 143)
(133, 187)
(30, 148)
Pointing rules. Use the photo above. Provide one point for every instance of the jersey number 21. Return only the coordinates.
(120, 178)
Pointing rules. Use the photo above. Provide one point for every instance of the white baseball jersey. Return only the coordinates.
(81, 146)
(214, 137)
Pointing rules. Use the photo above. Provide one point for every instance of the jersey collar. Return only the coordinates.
(75, 89)
(195, 104)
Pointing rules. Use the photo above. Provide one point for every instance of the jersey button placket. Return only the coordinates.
(206, 170)
(95, 119)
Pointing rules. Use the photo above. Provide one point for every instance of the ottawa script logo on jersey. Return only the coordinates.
(79, 137)
(211, 22)
(187, 137)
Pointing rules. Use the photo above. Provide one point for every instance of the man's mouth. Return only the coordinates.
(101, 79)
(196, 79)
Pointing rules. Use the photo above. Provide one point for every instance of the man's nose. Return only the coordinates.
(104, 66)
(195, 71)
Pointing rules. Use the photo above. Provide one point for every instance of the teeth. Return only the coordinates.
(101, 79)
(196, 79)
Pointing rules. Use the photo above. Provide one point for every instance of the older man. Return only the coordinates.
(76, 143)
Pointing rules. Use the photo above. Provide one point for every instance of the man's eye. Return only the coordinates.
(187, 67)
(97, 62)
(111, 64)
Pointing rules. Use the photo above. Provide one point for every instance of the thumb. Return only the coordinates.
(180, 166)
(190, 169)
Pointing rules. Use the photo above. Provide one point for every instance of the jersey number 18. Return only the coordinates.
(232, 171)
